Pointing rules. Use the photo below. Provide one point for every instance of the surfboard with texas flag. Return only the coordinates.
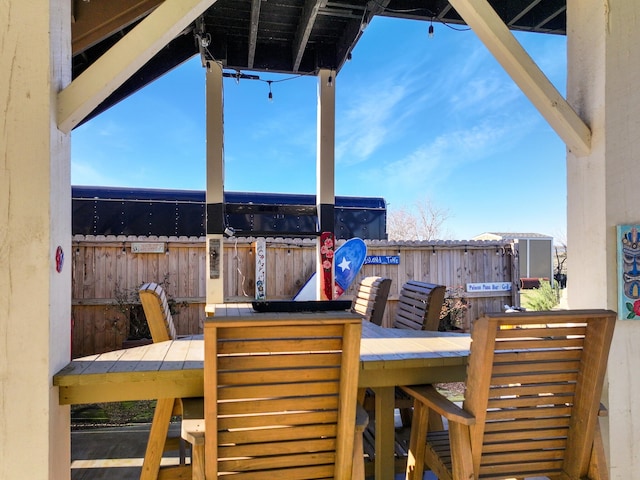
(348, 260)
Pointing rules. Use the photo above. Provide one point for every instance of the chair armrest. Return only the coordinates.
(429, 396)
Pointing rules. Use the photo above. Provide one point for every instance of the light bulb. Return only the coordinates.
(431, 31)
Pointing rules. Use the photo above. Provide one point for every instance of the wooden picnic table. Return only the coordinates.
(174, 369)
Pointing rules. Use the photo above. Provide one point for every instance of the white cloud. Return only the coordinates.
(368, 120)
(430, 165)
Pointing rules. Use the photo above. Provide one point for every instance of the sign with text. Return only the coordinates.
(157, 247)
(489, 287)
(382, 260)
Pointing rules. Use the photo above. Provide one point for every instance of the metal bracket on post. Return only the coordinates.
(214, 258)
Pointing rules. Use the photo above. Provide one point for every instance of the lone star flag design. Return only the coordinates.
(345, 264)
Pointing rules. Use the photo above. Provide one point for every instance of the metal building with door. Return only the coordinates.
(535, 254)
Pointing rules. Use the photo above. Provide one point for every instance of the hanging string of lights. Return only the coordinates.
(204, 40)
(429, 12)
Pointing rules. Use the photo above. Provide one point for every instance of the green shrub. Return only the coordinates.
(542, 298)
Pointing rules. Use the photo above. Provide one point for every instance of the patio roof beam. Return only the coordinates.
(94, 21)
(486, 23)
(307, 19)
(253, 31)
(120, 62)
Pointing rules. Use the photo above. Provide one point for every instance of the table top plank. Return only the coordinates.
(175, 368)
(195, 354)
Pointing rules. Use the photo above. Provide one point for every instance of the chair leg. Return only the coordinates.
(598, 469)
(406, 416)
(417, 442)
(197, 461)
(357, 471)
(435, 421)
(362, 420)
(157, 438)
(462, 463)
(194, 433)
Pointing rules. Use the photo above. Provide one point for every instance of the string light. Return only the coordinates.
(270, 96)
(420, 10)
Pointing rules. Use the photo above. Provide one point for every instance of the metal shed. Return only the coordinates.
(535, 254)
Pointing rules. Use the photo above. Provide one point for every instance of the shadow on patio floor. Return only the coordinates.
(113, 453)
(116, 453)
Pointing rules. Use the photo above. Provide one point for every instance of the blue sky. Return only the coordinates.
(416, 119)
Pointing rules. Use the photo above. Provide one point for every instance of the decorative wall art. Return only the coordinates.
(628, 242)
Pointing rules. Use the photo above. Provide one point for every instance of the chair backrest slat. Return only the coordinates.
(534, 384)
(371, 298)
(156, 310)
(419, 306)
(280, 396)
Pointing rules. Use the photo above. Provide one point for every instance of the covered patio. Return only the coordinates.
(64, 61)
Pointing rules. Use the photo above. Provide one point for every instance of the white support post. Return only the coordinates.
(215, 184)
(325, 162)
(35, 239)
(603, 53)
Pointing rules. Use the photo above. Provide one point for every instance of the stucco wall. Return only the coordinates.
(35, 218)
(603, 66)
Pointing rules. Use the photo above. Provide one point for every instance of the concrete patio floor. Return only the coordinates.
(116, 453)
(112, 453)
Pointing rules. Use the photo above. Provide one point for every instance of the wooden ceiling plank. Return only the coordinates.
(523, 12)
(307, 19)
(99, 19)
(253, 31)
(444, 11)
(550, 17)
(120, 62)
(493, 32)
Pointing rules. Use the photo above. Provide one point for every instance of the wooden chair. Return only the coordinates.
(419, 306)
(156, 310)
(371, 298)
(280, 400)
(531, 407)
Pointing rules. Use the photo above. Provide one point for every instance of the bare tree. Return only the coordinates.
(425, 221)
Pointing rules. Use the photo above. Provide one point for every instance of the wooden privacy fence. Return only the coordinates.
(105, 269)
